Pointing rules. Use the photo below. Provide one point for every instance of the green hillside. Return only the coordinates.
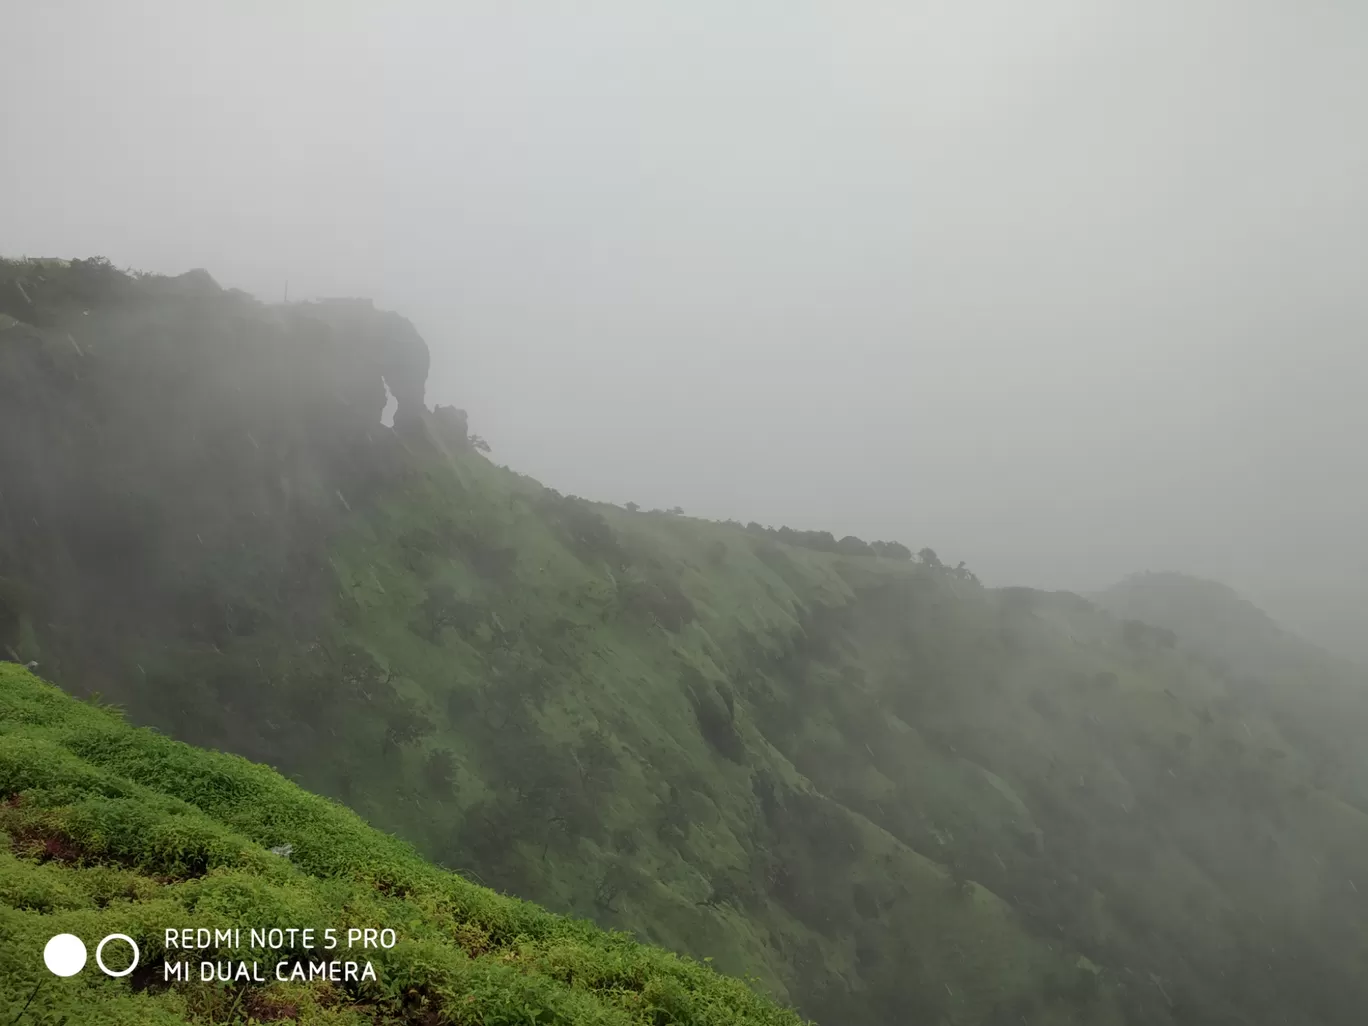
(112, 829)
(1316, 700)
(884, 792)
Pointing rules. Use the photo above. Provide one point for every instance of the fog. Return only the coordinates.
(1063, 289)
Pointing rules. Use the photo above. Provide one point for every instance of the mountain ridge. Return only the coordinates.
(884, 791)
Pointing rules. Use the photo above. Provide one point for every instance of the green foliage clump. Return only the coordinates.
(825, 541)
(891, 550)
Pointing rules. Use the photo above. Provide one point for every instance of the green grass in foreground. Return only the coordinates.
(115, 829)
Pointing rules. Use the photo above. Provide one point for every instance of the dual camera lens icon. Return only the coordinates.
(65, 954)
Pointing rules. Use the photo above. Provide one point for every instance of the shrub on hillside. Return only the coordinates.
(853, 546)
(583, 529)
(662, 599)
(891, 550)
(714, 708)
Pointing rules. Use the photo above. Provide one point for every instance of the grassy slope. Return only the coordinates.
(674, 839)
(1128, 800)
(1315, 700)
(889, 794)
(116, 829)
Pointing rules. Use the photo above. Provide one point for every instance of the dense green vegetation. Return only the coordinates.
(884, 792)
(114, 829)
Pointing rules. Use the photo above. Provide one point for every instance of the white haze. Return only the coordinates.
(1063, 289)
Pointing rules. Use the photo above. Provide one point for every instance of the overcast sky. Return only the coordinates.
(1064, 289)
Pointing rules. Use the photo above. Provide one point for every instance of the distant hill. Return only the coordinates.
(1334, 617)
(884, 792)
(1318, 700)
(1213, 617)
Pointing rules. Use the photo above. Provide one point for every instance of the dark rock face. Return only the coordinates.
(404, 364)
(451, 427)
(154, 428)
(381, 345)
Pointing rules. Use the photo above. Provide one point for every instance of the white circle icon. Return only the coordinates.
(99, 951)
(65, 954)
